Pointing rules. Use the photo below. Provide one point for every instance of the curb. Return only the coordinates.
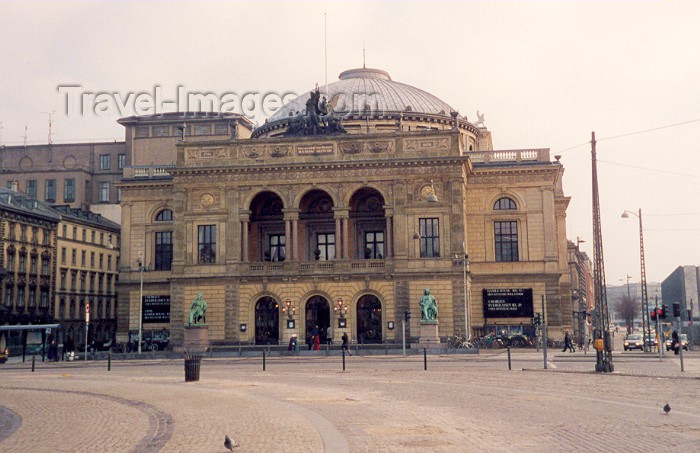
(614, 373)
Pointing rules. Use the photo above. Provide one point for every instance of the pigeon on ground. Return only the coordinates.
(229, 444)
(667, 408)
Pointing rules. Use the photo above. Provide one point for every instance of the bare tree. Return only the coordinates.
(628, 308)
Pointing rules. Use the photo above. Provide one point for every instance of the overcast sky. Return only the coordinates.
(545, 74)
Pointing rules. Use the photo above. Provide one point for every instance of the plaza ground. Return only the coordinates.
(380, 403)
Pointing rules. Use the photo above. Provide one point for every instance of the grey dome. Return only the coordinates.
(363, 89)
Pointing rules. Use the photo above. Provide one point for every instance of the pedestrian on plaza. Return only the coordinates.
(317, 339)
(675, 342)
(568, 344)
(329, 335)
(310, 341)
(345, 343)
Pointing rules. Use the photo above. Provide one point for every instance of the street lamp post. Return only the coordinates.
(646, 322)
(341, 308)
(140, 261)
(465, 269)
(289, 308)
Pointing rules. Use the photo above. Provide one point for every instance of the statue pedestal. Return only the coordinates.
(429, 338)
(195, 339)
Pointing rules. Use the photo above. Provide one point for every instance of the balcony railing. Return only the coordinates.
(314, 266)
(145, 172)
(509, 156)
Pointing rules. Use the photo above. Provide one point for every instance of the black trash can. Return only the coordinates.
(192, 362)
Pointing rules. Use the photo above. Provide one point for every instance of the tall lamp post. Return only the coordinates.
(140, 262)
(646, 322)
(465, 269)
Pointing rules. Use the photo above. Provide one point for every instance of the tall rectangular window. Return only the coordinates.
(105, 161)
(20, 296)
(506, 237)
(63, 255)
(164, 250)
(44, 266)
(69, 190)
(8, 297)
(207, 244)
(73, 256)
(32, 296)
(374, 245)
(50, 190)
(325, 244)
(429, 230)
(121, 161)
(92, 259)
(82, 258)
(104, 192)
(102, 260)
(277, 247)
(44, 301)
(31, 188)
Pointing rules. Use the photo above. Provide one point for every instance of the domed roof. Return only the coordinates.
(363, 89)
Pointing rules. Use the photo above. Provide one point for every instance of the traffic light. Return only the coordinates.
(676, 309)
(653, 314)
(536, 319)
(664, 311)
(407, 315)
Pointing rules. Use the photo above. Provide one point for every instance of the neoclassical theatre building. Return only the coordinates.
(340, 214)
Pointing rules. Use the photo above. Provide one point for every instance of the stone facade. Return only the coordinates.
(27, 259)
(371, 217)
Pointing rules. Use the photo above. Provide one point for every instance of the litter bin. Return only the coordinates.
(192, 362)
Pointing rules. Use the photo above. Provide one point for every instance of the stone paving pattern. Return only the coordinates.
(380, 404)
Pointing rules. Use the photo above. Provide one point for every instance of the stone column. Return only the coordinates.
(339, 253)
(245, 227)
(550, 233)
(291, 219)
(346, 238)
(287, 238)
(389, 213)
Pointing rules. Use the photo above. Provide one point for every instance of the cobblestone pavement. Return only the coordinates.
(379, 404)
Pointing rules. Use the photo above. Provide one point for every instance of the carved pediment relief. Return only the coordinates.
(351, 147)
(423, 144)
(280, 150)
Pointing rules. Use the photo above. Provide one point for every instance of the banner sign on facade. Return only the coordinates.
(156, 309)
(508, 303)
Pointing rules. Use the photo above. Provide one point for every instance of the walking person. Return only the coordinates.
(316, 338)
(345, 343)
(329, 335)
(567, 343)
(675, 342)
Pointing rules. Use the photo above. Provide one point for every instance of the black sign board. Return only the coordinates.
(508, 303)
(156, 309)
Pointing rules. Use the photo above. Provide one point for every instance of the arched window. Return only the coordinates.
(504, 204)
(166, 215)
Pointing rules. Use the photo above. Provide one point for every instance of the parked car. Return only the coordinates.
(684, 342)
(633, 341)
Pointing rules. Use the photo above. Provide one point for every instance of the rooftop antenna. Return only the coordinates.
(1, 128)
(50, 125)
(363, 56)
(25, 135)
(325, 51)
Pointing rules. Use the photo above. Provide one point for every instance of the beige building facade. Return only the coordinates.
(340, 222)
(87, 274)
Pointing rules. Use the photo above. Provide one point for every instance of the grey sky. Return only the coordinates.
(544, 73)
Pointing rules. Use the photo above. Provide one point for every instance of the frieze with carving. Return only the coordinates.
(205, 153)
(384, 146)
(351, 147)
(416, 144)
(252, 152)
(280, 150)
(205, 200)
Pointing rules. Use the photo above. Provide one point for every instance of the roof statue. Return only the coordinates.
(480, 122)
(318, 118)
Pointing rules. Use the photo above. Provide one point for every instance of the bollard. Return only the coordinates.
(425, 359)
(343, 359)
(509, 368)
(32, 364)
(263, 360)
(109, 361)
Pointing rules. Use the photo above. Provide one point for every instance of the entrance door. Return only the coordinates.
(369, 320)
(318, 314)
(267, 321)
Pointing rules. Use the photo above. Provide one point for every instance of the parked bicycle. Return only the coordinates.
(458, 342)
